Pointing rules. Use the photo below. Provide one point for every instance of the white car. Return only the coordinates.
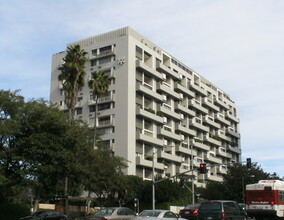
(158, 214)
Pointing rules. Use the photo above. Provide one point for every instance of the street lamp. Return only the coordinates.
(153, 179)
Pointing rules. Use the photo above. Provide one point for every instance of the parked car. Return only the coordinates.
(112, 213)
(221, 209)
(189, 212)
(45, 215)
(157, 215)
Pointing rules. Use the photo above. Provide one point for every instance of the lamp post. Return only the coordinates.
(153, 180)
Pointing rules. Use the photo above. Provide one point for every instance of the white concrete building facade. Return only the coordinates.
(157, 109)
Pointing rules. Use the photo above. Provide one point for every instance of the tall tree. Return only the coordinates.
(73, 79)
(73, 76)
(99, 83)
(11, 104)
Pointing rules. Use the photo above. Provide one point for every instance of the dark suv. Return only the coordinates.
(221, 209)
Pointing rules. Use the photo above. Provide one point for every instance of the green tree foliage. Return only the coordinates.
(38, 147)
(233, 186)
(103, 172)
(11, 104)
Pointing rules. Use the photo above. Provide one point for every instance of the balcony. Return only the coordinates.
(186, 130)
(104, 53)
(147, 137)
(210, 121)
(222, 170)
(220, 117)
(168, 134)
(148, 92)
(213, 159)
(197, 88)
(79, 104)
(180, 88)
(234, 149)
(196, 123)
(232, 117)
(167, 110)
(214, 177)
(167, 156)
(149, 163)
(149, 115)
(221, 152)
(187, 151)
(164, 87)
(149, 70)
(232, 132)
(106, 123)
(209, 104)
(221, 103)
(184, 109)
(221, 134)
(199, 145)
(161, 67)
(211, 140)
(196, 104)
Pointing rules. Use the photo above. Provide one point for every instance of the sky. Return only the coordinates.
(238, 45)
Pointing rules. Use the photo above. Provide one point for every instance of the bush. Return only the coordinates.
(10, 211)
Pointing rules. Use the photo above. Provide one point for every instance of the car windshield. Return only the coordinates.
(104, 212)
(38, 214)
(150, 213)
(210, 206)
(192, 207)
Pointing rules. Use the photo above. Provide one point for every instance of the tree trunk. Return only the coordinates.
(66, 195)
(95, 122)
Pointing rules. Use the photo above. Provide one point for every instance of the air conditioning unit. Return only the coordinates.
(164, 98)
(180, 76)
(164, 76)
(181, 116)
(182, 137)
(181, 95)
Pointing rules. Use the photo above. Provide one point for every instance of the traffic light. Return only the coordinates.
(248, 163)
(202, 168)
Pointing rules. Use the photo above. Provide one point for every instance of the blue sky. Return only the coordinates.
(236, 44)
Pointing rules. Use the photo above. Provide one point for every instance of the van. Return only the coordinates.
(220, 210)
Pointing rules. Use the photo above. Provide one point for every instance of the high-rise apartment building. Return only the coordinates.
(157, 111)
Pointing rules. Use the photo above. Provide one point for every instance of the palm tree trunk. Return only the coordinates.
(95, 122)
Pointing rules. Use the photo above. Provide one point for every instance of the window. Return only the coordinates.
(92, 108)
(105, 50)
(104, 60)
(281, 196)
(138, 53)
(105, 131)
(103, 106)
(94, 52)
(80, 98)
(79, 111)
(93, 62)
(169, 215)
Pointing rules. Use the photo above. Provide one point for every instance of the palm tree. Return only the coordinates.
(73, 76)
(99, 83)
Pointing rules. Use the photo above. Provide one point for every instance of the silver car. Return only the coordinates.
(158, 214)
(112, 213)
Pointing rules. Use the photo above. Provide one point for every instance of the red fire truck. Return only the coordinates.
(265, 199)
